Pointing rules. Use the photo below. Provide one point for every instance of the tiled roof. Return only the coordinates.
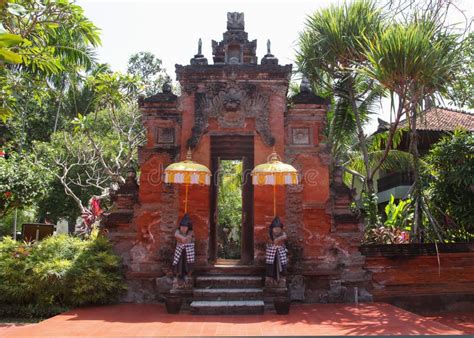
(443, 119)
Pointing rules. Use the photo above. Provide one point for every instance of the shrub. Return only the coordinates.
(59, 271)
(395, 229)
(14, 312)
(450, 177)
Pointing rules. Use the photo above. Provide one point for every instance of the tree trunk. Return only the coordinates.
(58, 111)
(372, 203)
(416, 228)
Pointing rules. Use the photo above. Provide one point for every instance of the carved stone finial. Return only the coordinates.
(306, 94)
(269, 58)
(305, 86)
(235, 21)
(167, 85)
(199, 59)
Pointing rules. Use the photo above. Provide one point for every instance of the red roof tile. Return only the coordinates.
(443, 119)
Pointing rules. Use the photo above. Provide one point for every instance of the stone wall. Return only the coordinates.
(415, 277)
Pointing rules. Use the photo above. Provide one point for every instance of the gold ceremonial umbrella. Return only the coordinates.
(274, 172)
(187, 172)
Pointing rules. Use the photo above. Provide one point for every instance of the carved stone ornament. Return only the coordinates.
(235, 21)
(231, 106)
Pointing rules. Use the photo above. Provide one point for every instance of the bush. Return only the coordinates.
(15, 313)
(450, 177)
(59, 271)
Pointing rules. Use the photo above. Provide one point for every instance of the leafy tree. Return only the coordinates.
(95, 156)
(46, 38)
(147, 67)
(450, 177)
(20, 183)
(460, 92)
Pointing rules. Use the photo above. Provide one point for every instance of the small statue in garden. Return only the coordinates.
(183, 259)
(276, 257)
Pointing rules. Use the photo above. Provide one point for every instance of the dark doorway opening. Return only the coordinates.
(231, 156)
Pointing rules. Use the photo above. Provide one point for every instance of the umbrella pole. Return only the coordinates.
(186, 199)
(274, 201)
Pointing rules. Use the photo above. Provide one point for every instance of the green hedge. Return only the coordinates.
(29, 313)
(60, 271)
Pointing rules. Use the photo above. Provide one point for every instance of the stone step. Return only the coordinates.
(227, 307)
(230, 269)
(228, 294)
(229, 282)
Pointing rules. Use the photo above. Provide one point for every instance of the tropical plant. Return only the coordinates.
(59, 271)
(450, 178)
(415, 61)
(41, 39)
(398, 215)
(332, 50)
(394, 229)
(385, 235)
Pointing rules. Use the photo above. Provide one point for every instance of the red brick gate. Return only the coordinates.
(237, 97)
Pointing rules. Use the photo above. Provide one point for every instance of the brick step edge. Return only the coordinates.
(227, 307)
(228, 293)
(229, 281)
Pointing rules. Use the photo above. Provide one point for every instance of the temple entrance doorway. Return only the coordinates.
(231, 230)
(229, 209)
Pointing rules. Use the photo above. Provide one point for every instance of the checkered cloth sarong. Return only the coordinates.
(189, 252)
(272, 250)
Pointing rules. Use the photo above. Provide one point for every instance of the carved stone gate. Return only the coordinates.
(238, 97)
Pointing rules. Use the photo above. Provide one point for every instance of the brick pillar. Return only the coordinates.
(324, 236)
(144, 238)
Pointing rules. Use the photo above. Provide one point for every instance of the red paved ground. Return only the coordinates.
(308, 319)
(463, 321)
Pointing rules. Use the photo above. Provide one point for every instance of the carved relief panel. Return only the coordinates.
(231, 104)
(301, 136)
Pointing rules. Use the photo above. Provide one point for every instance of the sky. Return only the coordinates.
(170, 29)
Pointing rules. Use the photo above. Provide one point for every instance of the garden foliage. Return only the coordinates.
(59, 271)
(450, 180)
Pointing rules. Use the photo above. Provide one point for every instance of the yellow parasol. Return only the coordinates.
(274, 172)
(187, 172)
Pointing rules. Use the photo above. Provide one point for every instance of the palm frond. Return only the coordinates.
(396, 160)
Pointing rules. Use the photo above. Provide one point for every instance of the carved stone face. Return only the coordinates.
(183, 229)
(232, 100)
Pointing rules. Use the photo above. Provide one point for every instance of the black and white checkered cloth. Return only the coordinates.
(189, 247)
(272, 250)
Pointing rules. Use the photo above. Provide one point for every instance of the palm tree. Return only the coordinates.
(331, 51)
(414, 61)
